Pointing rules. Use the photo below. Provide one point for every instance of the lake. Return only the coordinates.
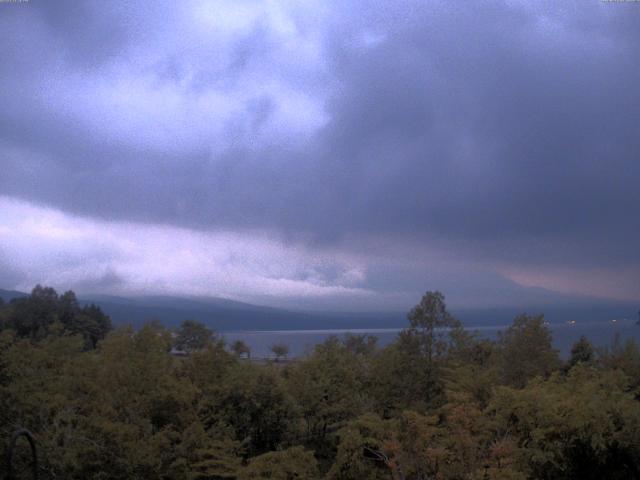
(301, 342)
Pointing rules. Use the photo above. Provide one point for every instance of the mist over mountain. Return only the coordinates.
(228, 315)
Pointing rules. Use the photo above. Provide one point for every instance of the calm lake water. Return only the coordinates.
(301, 342)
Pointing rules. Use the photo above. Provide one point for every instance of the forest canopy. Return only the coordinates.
(438, 403)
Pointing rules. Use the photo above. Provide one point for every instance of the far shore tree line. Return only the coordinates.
(192, 336)
(44, 312)
(438, 403)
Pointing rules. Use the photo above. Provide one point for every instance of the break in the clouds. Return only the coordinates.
(339, 152)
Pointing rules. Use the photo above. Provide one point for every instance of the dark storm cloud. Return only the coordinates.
(105, 282)
(502, 131)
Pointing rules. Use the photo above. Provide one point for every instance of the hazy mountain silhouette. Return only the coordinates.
(8, 295)
(225, 315)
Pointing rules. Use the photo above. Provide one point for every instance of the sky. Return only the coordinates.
(324, 155)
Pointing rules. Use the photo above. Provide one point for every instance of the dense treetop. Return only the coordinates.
(438, 403)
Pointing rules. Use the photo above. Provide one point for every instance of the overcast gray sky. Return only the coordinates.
(324, 154)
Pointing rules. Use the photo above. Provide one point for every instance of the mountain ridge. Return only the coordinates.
(229, 315)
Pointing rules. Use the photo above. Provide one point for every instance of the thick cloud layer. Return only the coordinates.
(429, 140)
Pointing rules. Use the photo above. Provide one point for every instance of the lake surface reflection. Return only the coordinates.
(301, 342)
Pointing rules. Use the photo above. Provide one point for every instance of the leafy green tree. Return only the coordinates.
(328, 387)
(290, 464)
(192, 336)
(94, 324)
(623, 356)
(473, 371)
(280, 350)
(4, 311)
(32, 316)
(360, 344)
(363, 450)
(468, 431)
(240, 349)
(582, 352)
(421, 451)
(408, 374)
(44, 312)
(208, 370)
(254, 403)
(67, 308)
(438, 403)
(114, 410)
(526, 350)
(202, 455)
(582, 425)
(45, 385)
(89, 321)
(430, 328)
(397, 380)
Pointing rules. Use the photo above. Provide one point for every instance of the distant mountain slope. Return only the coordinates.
(226, 315)
(8, 295)
(223, 314)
